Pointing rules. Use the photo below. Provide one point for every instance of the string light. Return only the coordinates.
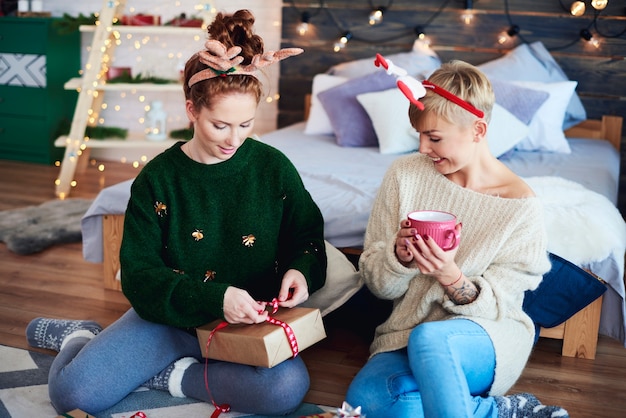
(578, 8)
(468, 15)
(508, 35)
(342, 42)
(591, 40)
(599, 4)
(421, 36)
(303, 27)
(376, 16)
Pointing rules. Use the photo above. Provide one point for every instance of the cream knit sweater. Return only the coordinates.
(503, 251)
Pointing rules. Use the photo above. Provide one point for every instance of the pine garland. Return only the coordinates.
(106, 132)
(184, 134)
(70, 24)
(139, 78)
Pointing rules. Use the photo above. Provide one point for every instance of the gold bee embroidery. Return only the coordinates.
(209, 276)
(160, 208)
(197, 234)
(248, 240)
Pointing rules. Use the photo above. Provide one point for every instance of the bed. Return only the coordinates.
(343, 179)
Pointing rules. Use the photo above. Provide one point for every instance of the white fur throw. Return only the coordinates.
(583, 226)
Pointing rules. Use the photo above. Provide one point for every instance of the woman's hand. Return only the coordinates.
(427, 255)
(241, 308)
(294, 289)
(405, 256)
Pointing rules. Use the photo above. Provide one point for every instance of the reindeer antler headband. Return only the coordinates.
(223, 61)
(414, 90)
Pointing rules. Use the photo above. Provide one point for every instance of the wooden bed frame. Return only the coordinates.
(579, 333)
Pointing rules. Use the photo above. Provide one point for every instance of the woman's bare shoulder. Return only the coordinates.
(514, 187)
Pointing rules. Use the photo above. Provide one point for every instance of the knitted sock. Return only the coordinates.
(171, 378)
(526, 405)
(53, 334)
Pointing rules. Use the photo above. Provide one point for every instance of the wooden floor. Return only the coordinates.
(59, 283)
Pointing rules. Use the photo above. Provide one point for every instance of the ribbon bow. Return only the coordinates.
(346, 411)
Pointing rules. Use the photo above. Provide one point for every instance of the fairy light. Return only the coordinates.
(421, 36)
(342, 42)
(578, 8)
(376, 16)
(468, 14)
(303, 27)
(508, 35)
(207, 11)
(591, 40)
(599, 4)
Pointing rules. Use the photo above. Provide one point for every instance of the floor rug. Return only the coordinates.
(32, 229)
(24, 394)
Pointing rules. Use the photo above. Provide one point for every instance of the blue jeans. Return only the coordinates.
(94, 375)
(445, 371)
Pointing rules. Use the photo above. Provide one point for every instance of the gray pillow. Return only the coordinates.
(523, 103)
(351, 123)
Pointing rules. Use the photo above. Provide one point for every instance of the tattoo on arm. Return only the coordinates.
(463, 294)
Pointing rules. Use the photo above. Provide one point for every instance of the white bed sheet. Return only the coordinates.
(344, 183)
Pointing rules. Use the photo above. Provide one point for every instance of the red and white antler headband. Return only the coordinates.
(414, 90)
(223, 61)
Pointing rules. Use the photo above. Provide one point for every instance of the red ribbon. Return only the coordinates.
(291, 338)
(139, 414)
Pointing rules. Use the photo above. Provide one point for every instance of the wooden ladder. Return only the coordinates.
(89, 97)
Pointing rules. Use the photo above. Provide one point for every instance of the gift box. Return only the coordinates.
(115, 72)
(185, 22)
(76, 413)
(141, 20)
(263, 344)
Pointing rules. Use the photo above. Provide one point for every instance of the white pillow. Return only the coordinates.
(505, 131)
(318, 122)
(389, 112)
(342, 281)
(533, 62)
(546, 127)
(420, 62)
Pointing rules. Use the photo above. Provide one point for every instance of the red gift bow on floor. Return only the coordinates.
(291, 337)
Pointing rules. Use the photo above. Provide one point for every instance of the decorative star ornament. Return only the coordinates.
(347, 411)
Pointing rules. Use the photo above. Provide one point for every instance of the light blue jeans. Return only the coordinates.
(94, 375)
(445, 371)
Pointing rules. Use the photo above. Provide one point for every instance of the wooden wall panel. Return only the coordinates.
(600, 72)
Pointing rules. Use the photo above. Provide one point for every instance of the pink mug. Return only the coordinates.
(438, 225)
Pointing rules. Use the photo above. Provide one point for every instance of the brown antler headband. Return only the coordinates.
(222, 61)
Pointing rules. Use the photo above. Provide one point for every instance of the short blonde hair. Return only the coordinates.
(463, 80)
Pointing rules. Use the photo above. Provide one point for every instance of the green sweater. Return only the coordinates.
(192, 230)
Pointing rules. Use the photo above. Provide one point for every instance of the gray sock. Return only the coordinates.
(526, 405)
(161, 380)
(52, 333)
(170, 379)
